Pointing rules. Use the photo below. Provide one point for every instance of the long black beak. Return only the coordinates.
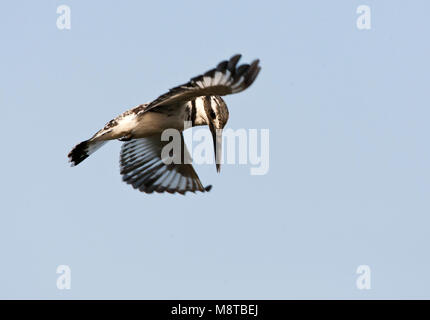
(217, 140)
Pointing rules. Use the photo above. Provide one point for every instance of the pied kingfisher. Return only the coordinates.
(197, 101)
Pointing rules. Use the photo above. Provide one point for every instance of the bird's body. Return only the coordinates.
(138, 124)
(197, 102)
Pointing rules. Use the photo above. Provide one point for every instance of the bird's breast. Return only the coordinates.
(153, 122)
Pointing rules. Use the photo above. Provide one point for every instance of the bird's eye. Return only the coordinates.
(212, 114)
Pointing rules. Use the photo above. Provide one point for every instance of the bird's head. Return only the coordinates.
(217, 115)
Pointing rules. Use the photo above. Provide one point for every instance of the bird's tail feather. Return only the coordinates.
(82, 151)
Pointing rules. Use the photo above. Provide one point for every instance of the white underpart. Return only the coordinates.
(151, 123)
(201, 117)
(125, 125)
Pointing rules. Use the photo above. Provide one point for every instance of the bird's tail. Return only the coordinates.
(82, 151)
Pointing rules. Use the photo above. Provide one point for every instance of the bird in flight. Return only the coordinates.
(198, 101)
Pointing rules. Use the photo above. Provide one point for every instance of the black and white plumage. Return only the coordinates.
(138, 155)
(197, 101)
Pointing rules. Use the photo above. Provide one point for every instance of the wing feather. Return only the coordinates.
(142, 167)
(225, 79)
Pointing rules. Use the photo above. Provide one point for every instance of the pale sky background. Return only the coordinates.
(349, 180)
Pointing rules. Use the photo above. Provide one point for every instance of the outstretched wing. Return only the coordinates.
(225, 79)
(143, 168)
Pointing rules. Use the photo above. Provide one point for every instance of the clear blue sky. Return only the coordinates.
(349, 178)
